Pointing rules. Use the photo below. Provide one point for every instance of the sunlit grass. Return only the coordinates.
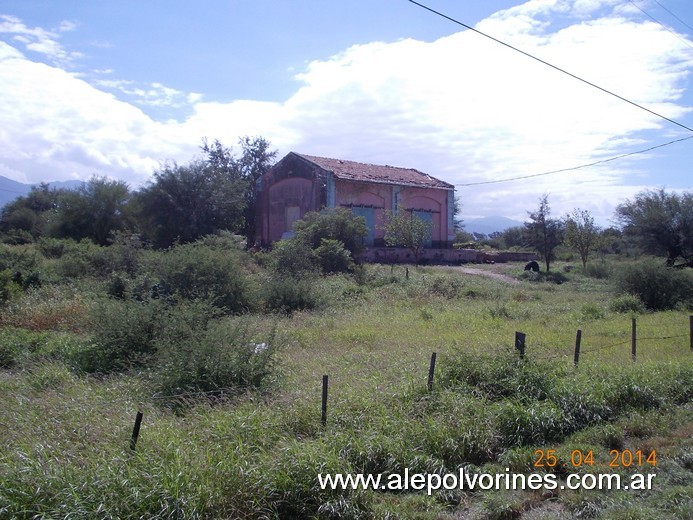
(65, 449)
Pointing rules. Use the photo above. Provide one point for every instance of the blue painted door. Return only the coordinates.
(427, 217)
(369, 215)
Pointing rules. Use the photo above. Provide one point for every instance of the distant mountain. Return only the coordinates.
(487, 225)
(10, 190)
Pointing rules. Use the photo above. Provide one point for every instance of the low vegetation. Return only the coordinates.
(223, 350)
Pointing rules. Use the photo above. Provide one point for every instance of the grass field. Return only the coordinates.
(257, 454)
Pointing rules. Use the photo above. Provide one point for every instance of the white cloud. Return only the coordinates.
(152, 95)
(39, 40)
(462, 108)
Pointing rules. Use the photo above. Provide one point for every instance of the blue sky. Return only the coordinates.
(118, 88)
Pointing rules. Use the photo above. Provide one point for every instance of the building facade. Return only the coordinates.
(300, 183)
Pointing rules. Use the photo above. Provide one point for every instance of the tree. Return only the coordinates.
(335, 224)
(544, 233)
(255, 160)
(662, 224)
(93, 211)
(329, 240)
(581, 233)
(29, 213)
(514, 236)
(184, 203)
(405, 229)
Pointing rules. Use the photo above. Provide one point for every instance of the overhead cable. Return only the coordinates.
(601, 161)
(574, 76)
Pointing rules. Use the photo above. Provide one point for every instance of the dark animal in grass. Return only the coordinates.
(532, 266)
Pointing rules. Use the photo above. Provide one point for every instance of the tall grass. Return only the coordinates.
(213, 446)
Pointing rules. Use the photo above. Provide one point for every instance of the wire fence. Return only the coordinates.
(520, 346)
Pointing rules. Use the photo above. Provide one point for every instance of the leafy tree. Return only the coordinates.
(407, 230)
(30, 212)
(333, 224)
(329, 240)
(514, 236)
(184, 203)
(661, 222)
(93, 211)
(581, 233)
(253, 162)
(544, 233)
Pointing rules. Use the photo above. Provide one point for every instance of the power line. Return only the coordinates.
(578, 167)
(594, 85)
(672, 14)
(660, 23)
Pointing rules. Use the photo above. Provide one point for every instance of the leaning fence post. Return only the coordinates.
(323, 417)
(634, 339)
(136, 431)
(578, 338)
(431, 371)
(520, 343)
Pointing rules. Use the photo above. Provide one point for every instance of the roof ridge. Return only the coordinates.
(370, 172)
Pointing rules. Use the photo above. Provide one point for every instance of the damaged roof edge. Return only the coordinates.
(383, 174)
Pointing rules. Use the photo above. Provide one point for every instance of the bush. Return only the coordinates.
(552, 276)
(292, 257)
(627, 303)
(591, 311)
(598, 270)
(332, 257)
(52, 247)
(658, 287)
(227, 357)
(288, 294)
(9, 288)
(448, 287)
(194, 271)
(337, 224)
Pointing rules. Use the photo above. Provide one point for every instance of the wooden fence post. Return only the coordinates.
(136, 431)
(431, 371)
(323, 417)
(578, 338)
(634, 339)
(690, 326)
(520, 343)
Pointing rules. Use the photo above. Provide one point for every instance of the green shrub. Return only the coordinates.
(52, 247)
(9, 288)
(226, 357)
(289, 293)
(194, 271)
(339, 224)
(18, 259)
(123, 337)
(292, 257)
(591, 311)
(332, 257)
(627, 303)
(447, 287)
(657, 286)
(552, 277)
(598, 270)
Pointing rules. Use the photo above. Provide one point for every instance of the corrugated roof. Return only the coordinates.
(362, 172)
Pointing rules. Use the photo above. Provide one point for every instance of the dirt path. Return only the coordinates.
(487, 274)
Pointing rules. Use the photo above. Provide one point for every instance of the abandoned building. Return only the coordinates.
(300, 183)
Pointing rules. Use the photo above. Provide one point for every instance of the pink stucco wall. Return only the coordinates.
(382, 196)
(295, 187)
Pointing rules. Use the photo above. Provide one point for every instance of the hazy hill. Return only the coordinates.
(491, 224)
(10, 190)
